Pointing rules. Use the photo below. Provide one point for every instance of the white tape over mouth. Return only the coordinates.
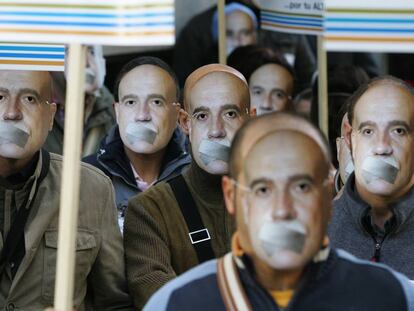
(212, 151)
(13, 134)
(282, 235)
(380, 167)
(137, 131)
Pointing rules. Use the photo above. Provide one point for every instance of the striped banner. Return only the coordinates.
(369, 26)
(111, 22)
(36, 57)
(300, 17)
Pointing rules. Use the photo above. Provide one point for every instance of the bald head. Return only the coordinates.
(256, 129)
(213, 76)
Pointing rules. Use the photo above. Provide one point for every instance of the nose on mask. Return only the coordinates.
(380, 167)
(139, 132)
(212, 151)
(12, 134)
(282, 235)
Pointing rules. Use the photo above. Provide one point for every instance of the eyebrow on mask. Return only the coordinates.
(366, 123)
(302, 177)
(399, 123)
(4, 90)
(129, 96)
(29, 91)
(231, 106)
(201, 109)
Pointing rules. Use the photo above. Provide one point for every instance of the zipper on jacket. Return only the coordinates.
(377, 248)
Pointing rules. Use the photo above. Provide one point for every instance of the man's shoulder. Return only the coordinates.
(90, 175)
(372, 278)
(195, 283)
(155, 195)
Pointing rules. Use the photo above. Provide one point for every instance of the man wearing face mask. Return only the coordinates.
(345, 164)
(99, 115)
(30, 184)
(373, 217)
(281, 259)
(175, 225)
(146, 146)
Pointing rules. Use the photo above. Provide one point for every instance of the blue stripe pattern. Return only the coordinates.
(279, 19)
(91, 24)
(32, 48)
(371, 30)
(29, 55)
(89, 15)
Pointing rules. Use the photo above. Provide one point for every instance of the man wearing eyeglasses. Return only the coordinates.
(146, 146)
(281, 258)
(175, 225)
(30, 185)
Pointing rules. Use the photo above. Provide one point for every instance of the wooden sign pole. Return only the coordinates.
(222, 32)
(322, 87)
(69, 197)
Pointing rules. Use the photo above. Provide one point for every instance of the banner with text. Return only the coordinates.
(292, 16)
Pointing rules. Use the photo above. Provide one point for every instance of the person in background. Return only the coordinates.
(197, 44)
(145, 146)
(281, 258)
(175, 225)
(303, 102)
(99, 115)
(270, 77)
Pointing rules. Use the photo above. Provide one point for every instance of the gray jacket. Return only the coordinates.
(349, 230)
(112, 160)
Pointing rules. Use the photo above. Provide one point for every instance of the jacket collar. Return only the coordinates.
(112, 157)
(403, 209)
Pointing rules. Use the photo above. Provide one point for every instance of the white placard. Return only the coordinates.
(369, 26)
(292, 16)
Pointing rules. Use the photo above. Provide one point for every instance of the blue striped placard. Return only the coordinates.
(39, 57)
(367, 26)
(112, 22)
(301, 17)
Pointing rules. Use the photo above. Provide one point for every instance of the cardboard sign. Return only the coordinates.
(111, 22)
(38, 57)
(292, 16)
(369, 26)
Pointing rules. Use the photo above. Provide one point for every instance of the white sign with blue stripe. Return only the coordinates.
(112, 22)
(367, 25)
(300, 17)
(41, 57)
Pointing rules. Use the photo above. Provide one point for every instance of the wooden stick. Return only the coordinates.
(322, 87)
(69, 197)
(222, 32)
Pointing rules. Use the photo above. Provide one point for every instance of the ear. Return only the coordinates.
(228, 193)
(253, 112)
(347, 130)
(184, 120)
(116, 108)
(53, 108)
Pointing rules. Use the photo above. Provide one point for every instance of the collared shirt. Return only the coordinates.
(141, 184)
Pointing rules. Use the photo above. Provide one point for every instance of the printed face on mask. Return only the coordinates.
(146, 112)
(26, 114)
(240, 30)
(283, 205)
(218, 108)
(382, 140)
(271, 88)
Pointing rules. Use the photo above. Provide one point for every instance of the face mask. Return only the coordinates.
(13, 134)
(90, 77)
(275, 236)
(139, 132)
(380, 167)
(349, 168)
(212, 151)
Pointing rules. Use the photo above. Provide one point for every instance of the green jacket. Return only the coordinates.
(156, 240)
(99, 270)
